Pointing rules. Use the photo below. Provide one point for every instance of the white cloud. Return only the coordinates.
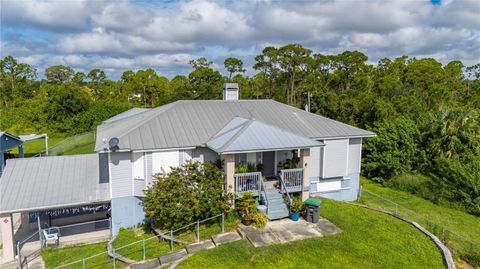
(62, 16)
(117, 35)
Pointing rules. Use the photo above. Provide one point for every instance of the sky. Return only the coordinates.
(164, 35)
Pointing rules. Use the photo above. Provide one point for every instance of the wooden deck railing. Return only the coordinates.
(293, 179)
(250, 182)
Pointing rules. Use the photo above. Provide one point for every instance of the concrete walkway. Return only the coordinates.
(286, 230)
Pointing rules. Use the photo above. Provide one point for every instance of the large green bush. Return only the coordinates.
(191, 192)
(395, 150)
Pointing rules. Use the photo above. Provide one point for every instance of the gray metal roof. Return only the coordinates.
(8, 141)
(248, 135)
(49, 182)
(194, 123)
(126, 114)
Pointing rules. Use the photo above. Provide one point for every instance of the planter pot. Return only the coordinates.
(295, 216)
(247, 222)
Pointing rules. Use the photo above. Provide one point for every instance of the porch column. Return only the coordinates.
(6, 224)
(229, 167)
(304, 161)
(25, 220)
(20, 151)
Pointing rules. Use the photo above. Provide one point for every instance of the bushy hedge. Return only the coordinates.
(191, 192)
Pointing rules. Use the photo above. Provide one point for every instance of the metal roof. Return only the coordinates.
(8, 141)
(248, 135)
(40, 183)
(29, 137)
(193, 123)
(126, 114)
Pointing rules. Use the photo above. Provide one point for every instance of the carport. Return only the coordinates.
(49, 191)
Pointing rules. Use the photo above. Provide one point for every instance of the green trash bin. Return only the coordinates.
(312, 210)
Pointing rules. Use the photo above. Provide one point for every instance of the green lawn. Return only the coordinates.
(59, 256)
(153, 247)
(369, 240)
(33, 147)
(78, 144)
(457, 224)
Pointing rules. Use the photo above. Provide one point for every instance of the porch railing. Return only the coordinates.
(248, 182)
(284, 189)
(293, 179)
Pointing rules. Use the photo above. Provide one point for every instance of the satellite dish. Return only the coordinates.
(113, 143)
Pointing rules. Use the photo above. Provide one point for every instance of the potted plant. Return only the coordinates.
(295, 208)
(247, 208)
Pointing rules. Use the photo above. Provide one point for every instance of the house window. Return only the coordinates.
(138, 165)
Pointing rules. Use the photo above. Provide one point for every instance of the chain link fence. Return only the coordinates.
(461, 247)
(154, 246)
(69, 145)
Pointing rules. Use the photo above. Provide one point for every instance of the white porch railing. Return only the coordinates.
(248, 182)
(293, 179)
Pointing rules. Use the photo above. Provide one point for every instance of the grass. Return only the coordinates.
(449, 224)
(77, 144)
(369, 240)
(33, 147)
(153, 247)
(60, 256)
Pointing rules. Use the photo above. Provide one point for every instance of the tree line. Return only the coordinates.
(425, 113)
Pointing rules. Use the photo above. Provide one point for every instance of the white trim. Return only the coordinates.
(267, 150)
(360, 159)
(341, 137)
(322, 153)
(162, 149)
(110, 181)
(348, 156)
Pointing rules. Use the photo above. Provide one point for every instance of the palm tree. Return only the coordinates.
(452, 131)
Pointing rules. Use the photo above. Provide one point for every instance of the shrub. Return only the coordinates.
(244, 167)
(260, 220)
(246, 206)
(297, 204)
(188, 193)
(409, 182)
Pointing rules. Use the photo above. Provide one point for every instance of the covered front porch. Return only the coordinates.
(267, 161)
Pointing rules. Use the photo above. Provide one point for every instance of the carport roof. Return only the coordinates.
(32, 184)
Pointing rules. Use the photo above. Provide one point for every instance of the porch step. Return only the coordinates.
(277, 209)
(277, 214)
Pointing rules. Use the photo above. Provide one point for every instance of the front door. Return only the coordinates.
(268, 159)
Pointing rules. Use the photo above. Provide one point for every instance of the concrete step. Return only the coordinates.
(277, 214)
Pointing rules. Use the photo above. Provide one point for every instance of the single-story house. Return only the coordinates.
(307, 153)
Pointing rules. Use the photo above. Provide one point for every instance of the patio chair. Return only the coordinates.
(52, 234)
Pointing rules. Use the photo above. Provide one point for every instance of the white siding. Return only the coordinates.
(315, 163)
(163, 160)
(139, 166)
(138, 186)
(205, 155)
(336, 157)
(354, 155)
(121, 174)
(185, 156)
(329, 186)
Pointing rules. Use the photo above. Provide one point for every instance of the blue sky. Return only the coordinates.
(165, 35)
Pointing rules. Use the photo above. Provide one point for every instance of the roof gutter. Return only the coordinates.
(266, 150)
